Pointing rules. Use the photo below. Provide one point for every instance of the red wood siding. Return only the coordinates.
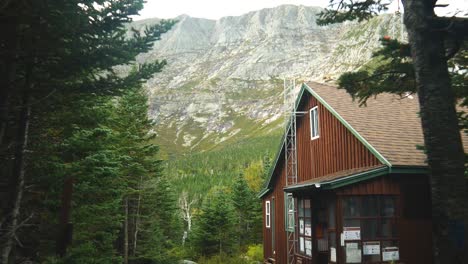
(335, 150)
(378, 186)
(280, 244)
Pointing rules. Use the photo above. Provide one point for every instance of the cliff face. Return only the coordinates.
(223, 81)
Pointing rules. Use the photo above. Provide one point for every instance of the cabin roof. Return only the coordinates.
(387, 122)
(388, 125)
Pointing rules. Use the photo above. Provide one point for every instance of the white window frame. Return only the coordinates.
(314, 126)
(267, 214)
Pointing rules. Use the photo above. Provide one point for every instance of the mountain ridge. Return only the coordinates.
(223, 81)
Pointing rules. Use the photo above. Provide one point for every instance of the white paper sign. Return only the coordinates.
(390, 253)
(301, 226)
(342, 239)
(333, 254)
(308, 247)
(352, 233)
(353, 253)
(352, 245)
(371, 248)
(301, 244)
(308, 230)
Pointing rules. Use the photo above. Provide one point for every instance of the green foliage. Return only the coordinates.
(341, 11)
(255, 252)
(391, 71)
(249, 213)
(223, 258)
(105, 149)
(214, 230)
(59, 59)
(253, 174)
(197, 173)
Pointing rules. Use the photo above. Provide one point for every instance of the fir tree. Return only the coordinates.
(55, 52)
(214, 228)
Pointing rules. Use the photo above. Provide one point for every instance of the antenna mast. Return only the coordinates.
(290, 154)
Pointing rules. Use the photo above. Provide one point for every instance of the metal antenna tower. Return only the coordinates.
(290, 132)
(290, 154)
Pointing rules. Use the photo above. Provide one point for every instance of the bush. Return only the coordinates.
(223, 259)
(255, 253)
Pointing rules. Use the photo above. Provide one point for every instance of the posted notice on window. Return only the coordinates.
(333, 254)
(371, 248)
(390, 253)
(352, 233)
(353, 253)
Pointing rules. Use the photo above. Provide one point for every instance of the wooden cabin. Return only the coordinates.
(361, 193)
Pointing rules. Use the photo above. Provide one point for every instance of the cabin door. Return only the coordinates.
(325, 233)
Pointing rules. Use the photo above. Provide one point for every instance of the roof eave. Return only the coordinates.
(340, 182)
(263, 193)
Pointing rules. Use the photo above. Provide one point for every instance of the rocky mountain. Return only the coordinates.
(224, 78)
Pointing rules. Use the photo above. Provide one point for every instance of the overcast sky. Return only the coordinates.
(215, 9)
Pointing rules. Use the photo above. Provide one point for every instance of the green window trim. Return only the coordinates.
(289, 213)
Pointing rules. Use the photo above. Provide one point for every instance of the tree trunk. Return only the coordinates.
(16, 180)
(441, 134)
(137, 217)
(126, 232)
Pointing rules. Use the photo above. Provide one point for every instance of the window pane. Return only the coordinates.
(307, 210)
(352, 223)
(316, 122)
(351, 206)
(389, 228)
(308, 246)
(387, 206)
(290, 220)
(331, 215)
(308, 228)
(371, 258)
(301, 244)
(332, 239)
(369, 229)
(312, 123)
(301, 207)
(370, 206)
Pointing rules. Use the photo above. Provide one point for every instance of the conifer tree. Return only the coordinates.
(214, 227)
(67, 50)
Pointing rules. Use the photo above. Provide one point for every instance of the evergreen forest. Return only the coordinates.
(82, 178)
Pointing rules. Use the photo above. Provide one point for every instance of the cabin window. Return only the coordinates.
(305, 227)
(267, 214)
(289, 212)
(314, 123)
(370, 229)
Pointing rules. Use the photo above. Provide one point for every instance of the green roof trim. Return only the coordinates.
(409, 170)
(340, 182)
(371, 148)
(263, 192)
(266, 186)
